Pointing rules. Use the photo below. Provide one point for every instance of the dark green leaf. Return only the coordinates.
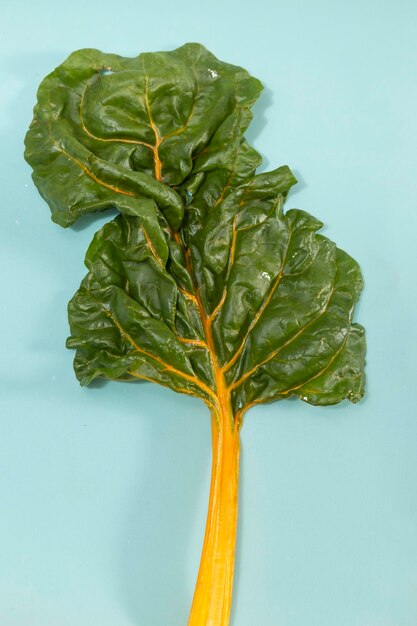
(110, 131)
(259, 307)
(203, 283)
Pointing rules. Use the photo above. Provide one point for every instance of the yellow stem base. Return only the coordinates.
(213, 593)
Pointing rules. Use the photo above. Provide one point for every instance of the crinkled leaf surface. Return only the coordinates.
(110, 131)
(202, 283)
(258, 307)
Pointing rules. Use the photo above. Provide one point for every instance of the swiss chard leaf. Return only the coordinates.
(110, 131)
(203, 283)
(258, 307)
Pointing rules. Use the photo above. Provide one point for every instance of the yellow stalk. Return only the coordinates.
(213, 593)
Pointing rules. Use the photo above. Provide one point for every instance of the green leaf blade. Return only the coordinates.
(279, 361)
(202, 283)
(344, 378)
(106, 126)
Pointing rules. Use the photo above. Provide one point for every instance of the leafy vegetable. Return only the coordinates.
(202, 283)
(110, 131)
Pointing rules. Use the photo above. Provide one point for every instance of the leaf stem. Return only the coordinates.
(213, 593)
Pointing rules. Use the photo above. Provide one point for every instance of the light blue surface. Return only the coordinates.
(103, 491)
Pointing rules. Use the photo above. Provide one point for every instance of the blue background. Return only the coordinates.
(103, 491)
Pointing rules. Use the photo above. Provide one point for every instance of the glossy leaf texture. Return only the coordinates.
(257, 306)
(116, 132)
(202, 283)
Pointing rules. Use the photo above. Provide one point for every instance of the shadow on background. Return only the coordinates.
(254, 132)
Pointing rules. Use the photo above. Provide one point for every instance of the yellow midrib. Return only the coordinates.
(222, 390)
